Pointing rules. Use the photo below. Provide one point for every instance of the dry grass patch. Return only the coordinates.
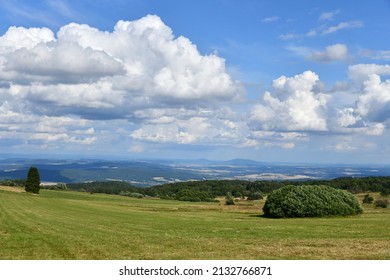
(12, 189)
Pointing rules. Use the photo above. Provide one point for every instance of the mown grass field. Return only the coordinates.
(74, 225)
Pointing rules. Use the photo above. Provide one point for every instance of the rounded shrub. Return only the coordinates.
(367, 199)
(381, 203)
(255, 196)
(310, 201)
(229, 199)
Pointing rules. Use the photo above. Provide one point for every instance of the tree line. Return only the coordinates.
(208, 190)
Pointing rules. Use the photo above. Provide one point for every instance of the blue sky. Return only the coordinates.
(284, 81)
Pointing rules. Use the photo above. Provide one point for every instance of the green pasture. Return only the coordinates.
(76, 225)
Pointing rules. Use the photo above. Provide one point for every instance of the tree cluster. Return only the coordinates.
(13, 182)
(214, 188)
(209, 189)
(194, 195)
(107, 187)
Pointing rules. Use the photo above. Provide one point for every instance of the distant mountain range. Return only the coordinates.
(154, 172)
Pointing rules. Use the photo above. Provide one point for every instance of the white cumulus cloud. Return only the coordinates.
(370, 113)
(361, 72)
(75, 85)
(374, 103)
(292, 106)
(19, 37)
(139, 62)
(336, 52)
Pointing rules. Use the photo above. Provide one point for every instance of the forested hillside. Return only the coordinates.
(209, 189)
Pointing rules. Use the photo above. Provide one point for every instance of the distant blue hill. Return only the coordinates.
(154, 172)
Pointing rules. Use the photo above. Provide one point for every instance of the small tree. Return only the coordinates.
(368, 199)
(229, 199)
(33, 180)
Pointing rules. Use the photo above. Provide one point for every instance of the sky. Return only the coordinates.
(275, 81)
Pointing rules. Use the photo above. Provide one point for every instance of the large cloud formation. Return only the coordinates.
(82, 74)
(140, 61)
(371, 111)
(140, 84)
(295, 108)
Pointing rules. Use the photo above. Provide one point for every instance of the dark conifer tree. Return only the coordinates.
(33, 180)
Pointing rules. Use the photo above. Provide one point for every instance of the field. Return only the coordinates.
(75, 225)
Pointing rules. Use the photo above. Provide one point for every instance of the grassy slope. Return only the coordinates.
(71, 225)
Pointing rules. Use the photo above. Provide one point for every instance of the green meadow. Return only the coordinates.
(77, 225)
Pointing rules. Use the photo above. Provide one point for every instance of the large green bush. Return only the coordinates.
(310, 201)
